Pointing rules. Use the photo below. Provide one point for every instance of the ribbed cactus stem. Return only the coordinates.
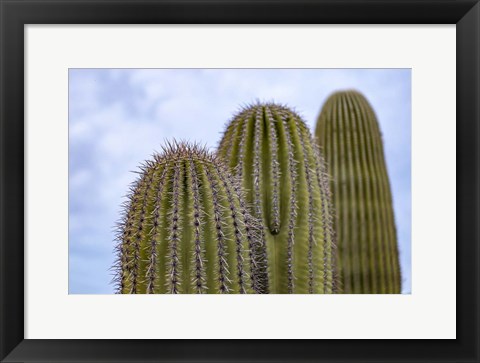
(349, 134)
(186, 228)
(271, 149)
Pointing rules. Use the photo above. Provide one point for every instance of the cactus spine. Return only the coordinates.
(272, 151)
(349, 134)
(186, 228)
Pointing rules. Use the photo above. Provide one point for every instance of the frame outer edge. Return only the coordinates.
(11, 179)
(11, 171)
(468, 188)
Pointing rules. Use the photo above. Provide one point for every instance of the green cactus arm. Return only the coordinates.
(348, 132)
(186, 228)
(272, 151)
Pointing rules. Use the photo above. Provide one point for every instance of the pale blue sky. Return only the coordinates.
(119, 117)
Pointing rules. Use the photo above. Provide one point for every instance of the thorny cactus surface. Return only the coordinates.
(348, 131)
(272, 151)
(186, 228)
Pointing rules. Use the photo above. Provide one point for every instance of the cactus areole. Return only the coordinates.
(186, 228)
(349, 134)
(271, 150)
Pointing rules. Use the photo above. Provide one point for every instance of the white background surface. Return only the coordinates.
(429, 312)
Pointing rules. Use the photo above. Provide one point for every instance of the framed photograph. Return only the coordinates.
(307, 160)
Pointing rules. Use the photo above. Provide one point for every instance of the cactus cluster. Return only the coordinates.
(349, 134)
(274, 155)
(186, 228)
(257, 215)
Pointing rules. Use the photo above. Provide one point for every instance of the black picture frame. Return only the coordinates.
(17, 13)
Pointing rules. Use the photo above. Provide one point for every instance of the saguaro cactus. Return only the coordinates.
(186, 228)
(349, 134)
(272, 151)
